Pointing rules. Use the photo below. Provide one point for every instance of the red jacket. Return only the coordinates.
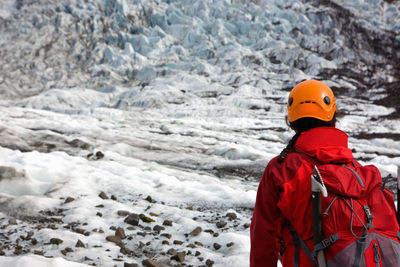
(269, 233)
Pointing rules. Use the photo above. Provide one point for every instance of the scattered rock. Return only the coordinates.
(100, 206)
(191, 245)
(103, 195)
(167, 223)
(171, 251)
(151, 263)
(55, 241)
(123, 213)
(68, 200)
(99, 214)
(216, 235)
(113, 197)
(246, 225)
(130, 264)
(146, 219)
(165, 242)
(95, 156)
(231, 216)
(36, 252)
(197, 243)
(216, 246)
(230, 244)
(116, 240)
(209, 262)
(132, 219)
(166, 235)
(179, 257)
(79, 244)
(124, 250)
(12, 222)
(158, 228)
(178, 242)
(196, 231)
(149, 199)
(197, 253)
(34, 241)
(221, 224)
(120, 232)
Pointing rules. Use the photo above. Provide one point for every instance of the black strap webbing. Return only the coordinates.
(298, 242)
(326, 243)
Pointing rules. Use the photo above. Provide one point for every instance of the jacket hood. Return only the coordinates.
(327, 144)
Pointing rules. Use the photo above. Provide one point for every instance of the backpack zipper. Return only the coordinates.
(377, 257)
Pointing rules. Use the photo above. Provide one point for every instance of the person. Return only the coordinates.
(283, 201)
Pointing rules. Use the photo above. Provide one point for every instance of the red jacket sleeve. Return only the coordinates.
(263, 231)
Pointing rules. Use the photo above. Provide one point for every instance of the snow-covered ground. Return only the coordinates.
(135, 132)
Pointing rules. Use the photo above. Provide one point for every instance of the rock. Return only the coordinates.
(216, 235)
(166, 235)
(120, 232)
(124, 250)
(151, 263)
(149, 199)
(216, 246)
(34, 241)
(130, 264)
(179, 257)
(123, 213)
(178, 242)
(68, 249)
(171, 251)
(191, 245)
(196, 231)
(132, 219)
(55, 241)
(116, 240)
(103, 195)
(221, 224)
(231, 216)
(99, 214)
(246, 225)
(113, 197)
(209, 262)
(167, 223)
(197, 243)
(230, 244)
(146, 219)
(36, 252)
(12, 222)
(68, 200)
(165, 242)
(158, 228)
(197, 253)
(100, 206)
(79, 244)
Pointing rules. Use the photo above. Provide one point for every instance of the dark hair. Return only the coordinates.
(302, 125)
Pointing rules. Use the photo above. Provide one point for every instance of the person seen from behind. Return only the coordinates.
(283, 210)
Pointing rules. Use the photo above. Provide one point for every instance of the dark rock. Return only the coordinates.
(158, 228)
(149, 199)
(209, 262)
(151, 263)
(99, 214)
(221, 224)
(166, 235)
(146, 219)
(178, 242)
(191, 245)
(165, 242)
(34, 241)
(246, 225)
(130, 264)
(116, 240)
(103, 195)
(79, 244)
(36, 252)
(68, 249)
(230, 244)
(167, 223)
(179, 257)
(113, 197)
(123, 213)
(172, 251)
(55, 241)
(197, 243)
(68, 200)
(120, 232)
(197, 253)
(100, 206)
(132, 219)
(216, 246)
(196, 231)
(124, 250)
(231, 215)
(215, 235)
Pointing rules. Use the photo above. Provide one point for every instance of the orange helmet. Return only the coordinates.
(312, 99)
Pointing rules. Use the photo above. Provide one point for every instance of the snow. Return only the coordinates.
(185, 100)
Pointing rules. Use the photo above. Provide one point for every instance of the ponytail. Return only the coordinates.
(289, 147)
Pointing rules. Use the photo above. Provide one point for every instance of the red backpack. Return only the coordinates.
(358, 219)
